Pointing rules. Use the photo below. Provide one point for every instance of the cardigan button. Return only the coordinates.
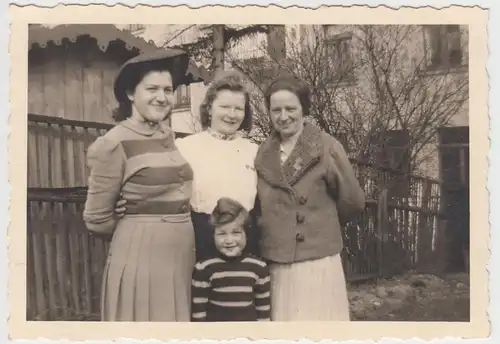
(303, 200)
(300, 237)
(300, 218)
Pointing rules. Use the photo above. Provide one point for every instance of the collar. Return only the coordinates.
(305, 154)
(231, 259)
(147, 128)
(220, 136)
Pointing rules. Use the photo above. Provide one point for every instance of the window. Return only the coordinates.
(182, 97)
(445, 46)
(454, 154)
(276, 42)
(338, 50)
(136, 27)
(395, 153)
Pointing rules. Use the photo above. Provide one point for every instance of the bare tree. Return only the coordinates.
(210, 48)
(365, 92)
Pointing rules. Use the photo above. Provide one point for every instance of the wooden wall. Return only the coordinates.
(74, 80)
(71, 81)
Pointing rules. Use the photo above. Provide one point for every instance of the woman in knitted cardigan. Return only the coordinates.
(307, 189)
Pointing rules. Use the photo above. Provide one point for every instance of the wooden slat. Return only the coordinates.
(54, 83)
(87, 274)
(97, 262)
(87, 141)
(41, 160)
(50, 168)
(74, 257)
(92, 93)
(50, 259)
(56, 163)
(74, 87)
(36, 102)
(61, 260)
(30, 274)
(78, 151)
(33, 171)
(41, 299)
(36, 263)
(108, 75)
(63, 151)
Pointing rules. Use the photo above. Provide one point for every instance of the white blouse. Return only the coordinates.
(222, 168)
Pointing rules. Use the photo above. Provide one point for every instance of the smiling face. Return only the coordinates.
(286, 113)
(152, 99)
(230, 239)
(227, 112)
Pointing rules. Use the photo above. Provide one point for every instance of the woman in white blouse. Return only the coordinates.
(222, 160)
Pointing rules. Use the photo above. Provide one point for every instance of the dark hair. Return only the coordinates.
(228, 210)
(294, 85)
(132, 78)
(231, 81)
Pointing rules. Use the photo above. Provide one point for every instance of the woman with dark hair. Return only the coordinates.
(147, 276)
(307, 189)
(222, 160)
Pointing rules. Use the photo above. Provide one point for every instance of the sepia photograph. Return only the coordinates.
(248, 172)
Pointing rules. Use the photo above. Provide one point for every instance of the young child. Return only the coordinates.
(233, 285)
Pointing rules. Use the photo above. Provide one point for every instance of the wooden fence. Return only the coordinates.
(57, 150)
(64, 262)
(399, 230)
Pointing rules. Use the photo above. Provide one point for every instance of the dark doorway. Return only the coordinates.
(454, 168)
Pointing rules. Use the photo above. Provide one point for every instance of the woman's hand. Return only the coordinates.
(120, 207)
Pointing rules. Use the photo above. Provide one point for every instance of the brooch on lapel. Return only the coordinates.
(297, 166)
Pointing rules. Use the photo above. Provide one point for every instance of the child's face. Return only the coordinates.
(230, 239)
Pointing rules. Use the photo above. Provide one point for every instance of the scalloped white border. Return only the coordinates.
(491, 181)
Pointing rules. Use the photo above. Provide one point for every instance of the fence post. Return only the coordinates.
(425, 255)
(382, 220)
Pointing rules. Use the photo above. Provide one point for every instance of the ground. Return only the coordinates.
(412, 297)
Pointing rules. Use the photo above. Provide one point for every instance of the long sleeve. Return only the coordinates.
(263, 295)
(200, 288)
(253, 235)
(343, 183)
(106, 162)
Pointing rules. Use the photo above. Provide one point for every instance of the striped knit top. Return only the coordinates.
(144, 165)
(231, 289)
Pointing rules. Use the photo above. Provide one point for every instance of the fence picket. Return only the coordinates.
(50, 259)
(60, 233)
(74, 255)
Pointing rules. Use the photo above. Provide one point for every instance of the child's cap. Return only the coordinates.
(226, 211)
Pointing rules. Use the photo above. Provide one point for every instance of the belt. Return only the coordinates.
(158, 208)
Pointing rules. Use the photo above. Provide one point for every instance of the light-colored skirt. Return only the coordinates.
(313, 290)
(148, 272)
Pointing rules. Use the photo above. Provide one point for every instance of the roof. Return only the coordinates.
(103, 33)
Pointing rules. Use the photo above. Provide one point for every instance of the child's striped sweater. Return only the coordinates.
(228, 289)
